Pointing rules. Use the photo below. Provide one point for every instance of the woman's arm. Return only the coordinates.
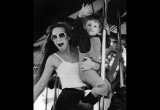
(42, 83)
(80, 36)
(89, 64)
(96, 66)
(85, 11)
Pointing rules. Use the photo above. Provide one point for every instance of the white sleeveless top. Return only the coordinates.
(69, 74)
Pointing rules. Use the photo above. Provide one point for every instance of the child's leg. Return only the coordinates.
(100, 87)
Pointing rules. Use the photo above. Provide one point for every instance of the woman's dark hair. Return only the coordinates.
(49, 47)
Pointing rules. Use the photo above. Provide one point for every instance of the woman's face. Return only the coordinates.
(92, 27)
(60, 38)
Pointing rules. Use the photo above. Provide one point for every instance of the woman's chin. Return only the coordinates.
(61, 49)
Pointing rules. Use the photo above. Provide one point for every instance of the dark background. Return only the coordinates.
(47, 12)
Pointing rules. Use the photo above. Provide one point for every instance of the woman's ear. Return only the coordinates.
(68, 38)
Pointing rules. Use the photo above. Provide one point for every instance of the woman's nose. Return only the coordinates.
(58, 39)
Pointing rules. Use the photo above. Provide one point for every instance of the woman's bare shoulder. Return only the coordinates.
(53, 60)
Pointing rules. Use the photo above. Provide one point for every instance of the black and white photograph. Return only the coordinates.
(79, 55)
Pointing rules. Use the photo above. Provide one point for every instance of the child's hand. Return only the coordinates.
(85, 11)
(106, 27)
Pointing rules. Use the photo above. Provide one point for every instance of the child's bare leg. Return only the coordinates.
(100, 87)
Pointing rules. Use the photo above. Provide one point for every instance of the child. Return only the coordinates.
(87, 38)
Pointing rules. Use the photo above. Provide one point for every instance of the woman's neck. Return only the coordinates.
(69, 51)
(70, 55)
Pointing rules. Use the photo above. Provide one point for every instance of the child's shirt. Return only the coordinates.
(95, 51)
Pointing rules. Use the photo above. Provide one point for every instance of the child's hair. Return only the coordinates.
(95, 17)
(81, 37)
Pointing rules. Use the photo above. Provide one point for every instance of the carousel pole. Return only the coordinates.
(55, 92)
(105, 4)
(104, 40)
(46, 98)
(120, 47)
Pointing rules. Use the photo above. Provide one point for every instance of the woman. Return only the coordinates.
(59, 55)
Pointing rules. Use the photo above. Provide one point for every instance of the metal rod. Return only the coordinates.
(119, 47)
(104, 41)
(46, 98)
(105, 4)
(55, 91)
(103, 55)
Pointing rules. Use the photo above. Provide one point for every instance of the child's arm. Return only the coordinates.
(96, 52)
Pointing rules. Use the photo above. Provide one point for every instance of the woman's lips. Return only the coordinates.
(60, 45)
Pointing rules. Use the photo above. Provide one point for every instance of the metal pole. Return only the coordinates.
(105, 4)
(104, 41)
(55, 92)
(46, 97)
(119, 47)
(103, 48)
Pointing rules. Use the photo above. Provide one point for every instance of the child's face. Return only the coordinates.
(92, 27)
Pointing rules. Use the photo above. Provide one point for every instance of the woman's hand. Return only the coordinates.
(85, 11)
(87, 64)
